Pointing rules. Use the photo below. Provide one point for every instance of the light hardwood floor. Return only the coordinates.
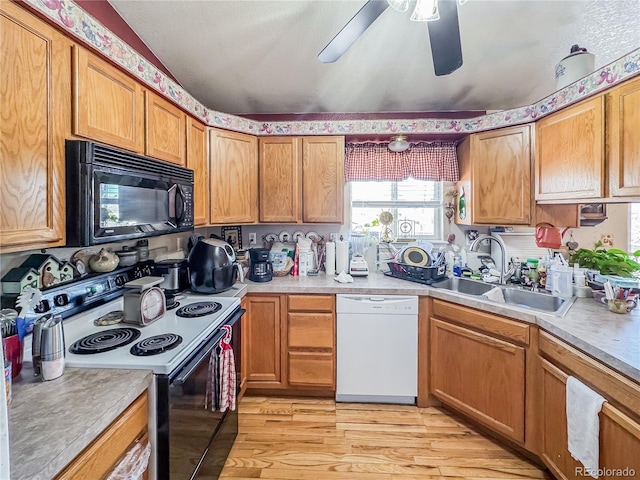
(317, 439)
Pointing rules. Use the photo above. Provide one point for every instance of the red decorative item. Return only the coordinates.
(13, 353)
(548, 236)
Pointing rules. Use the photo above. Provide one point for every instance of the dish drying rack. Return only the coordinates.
(423, 275)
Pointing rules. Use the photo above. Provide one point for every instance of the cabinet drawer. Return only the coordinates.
(99, 458)
(311, 369)
(486, 322)
(311, 330)
(312, 303)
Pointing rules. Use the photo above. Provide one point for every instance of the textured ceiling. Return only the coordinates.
(246, 56)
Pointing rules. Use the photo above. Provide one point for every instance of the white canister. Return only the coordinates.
(578, 64)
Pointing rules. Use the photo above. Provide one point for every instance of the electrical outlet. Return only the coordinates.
(333, 237)
(252, 238)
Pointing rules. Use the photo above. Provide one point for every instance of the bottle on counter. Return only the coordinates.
(532, 264)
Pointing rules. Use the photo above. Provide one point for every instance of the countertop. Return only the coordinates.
(50, 423)
(612, 338)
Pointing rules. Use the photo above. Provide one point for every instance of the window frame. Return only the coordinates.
(393, 206)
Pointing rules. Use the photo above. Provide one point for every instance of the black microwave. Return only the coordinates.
(115, 195)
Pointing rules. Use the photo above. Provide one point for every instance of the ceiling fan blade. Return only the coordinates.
(352, 30)
(444, 35)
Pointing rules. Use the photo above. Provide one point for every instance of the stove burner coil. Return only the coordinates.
(198, 309)
(104, 341)
(173, 306)
(156, 344)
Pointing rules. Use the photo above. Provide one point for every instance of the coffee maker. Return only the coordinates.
(260, 269)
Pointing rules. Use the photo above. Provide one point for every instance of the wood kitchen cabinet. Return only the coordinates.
(289, 344)
(198, 161)
(495, 174)
(262, 341)
(619, 431)
(322, 179)
(165, 126)
(35, 119)
(233, 177)
(301, 179)
(108, 105)
(570, 152)
(100, 458)
(311, 341)
(477, 366)
(280, 184)
(623, 141)
(590, 151)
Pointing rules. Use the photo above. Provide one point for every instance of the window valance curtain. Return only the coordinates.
(370, 161)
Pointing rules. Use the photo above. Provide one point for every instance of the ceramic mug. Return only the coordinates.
(620, 306)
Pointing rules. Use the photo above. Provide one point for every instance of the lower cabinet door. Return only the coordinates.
(479, 375)
(261, 340)
(619, 434)
(554, 436)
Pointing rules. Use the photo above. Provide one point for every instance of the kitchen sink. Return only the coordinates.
(464, 285)
(540, 302)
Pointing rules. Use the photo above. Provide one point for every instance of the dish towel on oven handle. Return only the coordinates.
(212, 398)
(227, 373)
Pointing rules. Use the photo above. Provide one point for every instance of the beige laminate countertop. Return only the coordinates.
(613, 339)
(50, 423)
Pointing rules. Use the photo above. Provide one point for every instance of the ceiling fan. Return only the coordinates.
(442, 22)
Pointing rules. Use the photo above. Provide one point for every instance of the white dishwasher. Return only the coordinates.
(377, 349)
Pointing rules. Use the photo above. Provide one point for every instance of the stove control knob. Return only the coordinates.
(61, 300)
(120, 280)
(43, 307)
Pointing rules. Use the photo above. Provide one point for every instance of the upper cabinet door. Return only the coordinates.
(496, 173)
(35, 119)
(233, 174)
(322, 179)
(198, 161)
(108, 106)
(280, 183)
(623, 128)
(166, 131)
(569, 161)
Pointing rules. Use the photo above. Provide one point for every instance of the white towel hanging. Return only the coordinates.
(583, 424)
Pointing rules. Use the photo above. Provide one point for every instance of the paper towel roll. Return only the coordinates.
(342, 257)
(330, 261)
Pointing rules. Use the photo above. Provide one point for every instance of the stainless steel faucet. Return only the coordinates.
(504, 275)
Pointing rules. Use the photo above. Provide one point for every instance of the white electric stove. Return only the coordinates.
(191, 332)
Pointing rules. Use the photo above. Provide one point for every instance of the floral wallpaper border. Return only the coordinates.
(80, 24)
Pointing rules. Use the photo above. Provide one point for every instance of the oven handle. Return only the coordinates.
(206, 350)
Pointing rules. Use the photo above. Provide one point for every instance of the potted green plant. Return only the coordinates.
(609, 262)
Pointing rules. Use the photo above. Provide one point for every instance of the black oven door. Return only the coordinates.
(199, 438)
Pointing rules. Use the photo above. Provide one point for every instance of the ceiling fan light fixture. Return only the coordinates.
(426, 11)
(399, 5)
(398, 143)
